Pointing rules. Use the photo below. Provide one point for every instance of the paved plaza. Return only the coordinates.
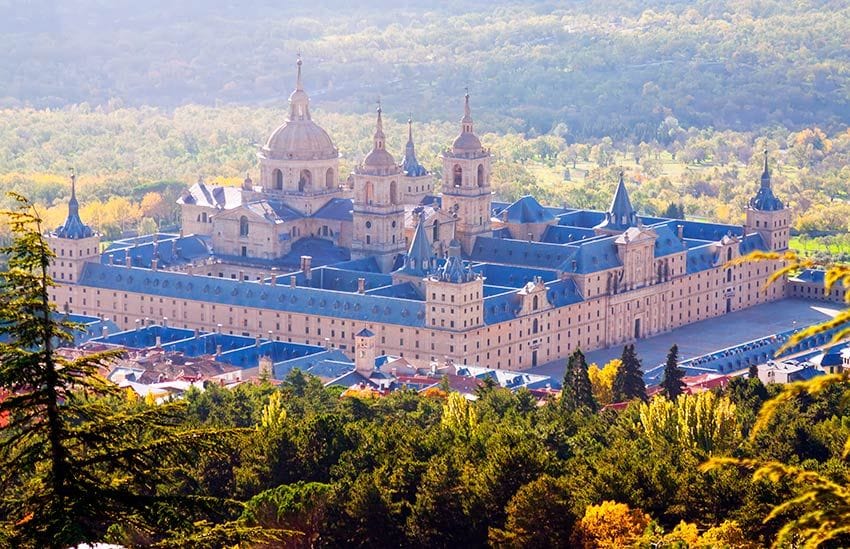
(716, 333)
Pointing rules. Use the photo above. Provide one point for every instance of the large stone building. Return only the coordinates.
(303, 258)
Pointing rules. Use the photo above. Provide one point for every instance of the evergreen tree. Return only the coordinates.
(672, 382)
(629, 384)
(577, 391)
(753, 371)
(76, 457)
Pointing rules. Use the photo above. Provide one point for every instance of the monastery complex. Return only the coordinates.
(383, 263)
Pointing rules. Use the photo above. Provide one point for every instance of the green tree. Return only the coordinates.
(76, 458)
(672, 383)
(577, 391)
(629, 384)
(539, 515)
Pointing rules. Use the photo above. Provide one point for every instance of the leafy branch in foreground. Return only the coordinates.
(820, 511)
(833, 275)
(76, 456)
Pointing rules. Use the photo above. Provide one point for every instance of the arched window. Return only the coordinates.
(330, 182)
(277, 176)
(393, 192)
(457, 175)
(436, 234)
(534, 325)
(534, 304)
(728, 275)
(729, 254)
(369, 192)
(305, 181)
(480, 175)
(243, 226)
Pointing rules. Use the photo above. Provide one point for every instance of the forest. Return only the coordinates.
(296, 464)
(615, 68)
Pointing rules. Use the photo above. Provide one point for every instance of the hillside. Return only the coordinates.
(586, 69)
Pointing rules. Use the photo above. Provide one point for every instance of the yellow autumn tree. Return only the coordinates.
(602, 380)
(459, 416)
(610, 525)
(154, 206)
(274, 413)
(704, 422)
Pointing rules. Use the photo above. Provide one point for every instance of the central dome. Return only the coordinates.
(299, 138)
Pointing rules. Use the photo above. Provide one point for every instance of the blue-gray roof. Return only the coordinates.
(764, 199)
(339, 209)
(170, 250)
(410, 166)
(527, 210)
(621, 215)
(73, 228)
(419, 258)
(224, 291)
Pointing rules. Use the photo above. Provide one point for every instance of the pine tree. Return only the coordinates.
(577, 391)
(76, 457)
(753, 371)
(629, 384)
(672, 382)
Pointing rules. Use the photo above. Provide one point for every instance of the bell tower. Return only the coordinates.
(767, 215)
(378, 217)
(466, 183)
(73, 242)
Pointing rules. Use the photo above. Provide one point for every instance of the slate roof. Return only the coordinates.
(410, 166)
(526, 210)
(275, 211)
(419, 256)
(621, 215)
(250, 294)
(73, 227)
(222, 198)
(765, 200)
(338, 209)
(172, 250)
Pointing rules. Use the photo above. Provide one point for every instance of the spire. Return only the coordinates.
(466, 121)
(621, 215)
(298, 84)
(379, 129)
(764, 199)
(299, 101)
(418, 259)
(409, 164)
(765, 174)
(74, 226)
(379, 160)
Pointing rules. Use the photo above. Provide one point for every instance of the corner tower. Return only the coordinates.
(73, 242)
(767, 215)
(454, 295)
(378, 218)
(466, 183)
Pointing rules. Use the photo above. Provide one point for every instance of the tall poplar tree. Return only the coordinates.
(672, 382)
(629, 384)
(577, 391)
(76, 457)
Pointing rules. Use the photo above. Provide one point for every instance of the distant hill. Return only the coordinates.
(585, 69)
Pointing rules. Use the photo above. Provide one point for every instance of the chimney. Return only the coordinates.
(680, 230)
(361, 285)
(292, 281)
(153, 264)
(530, 236)
(197, 333)
(306, 262)
(218, 328)
(112, 259)
(241, 276)
(165, 322)
(158, 342)
(262, 279)
(257, 341)
(104, 331)
(273, 280)
(128, 260)
(218, 350)
(138, 324)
